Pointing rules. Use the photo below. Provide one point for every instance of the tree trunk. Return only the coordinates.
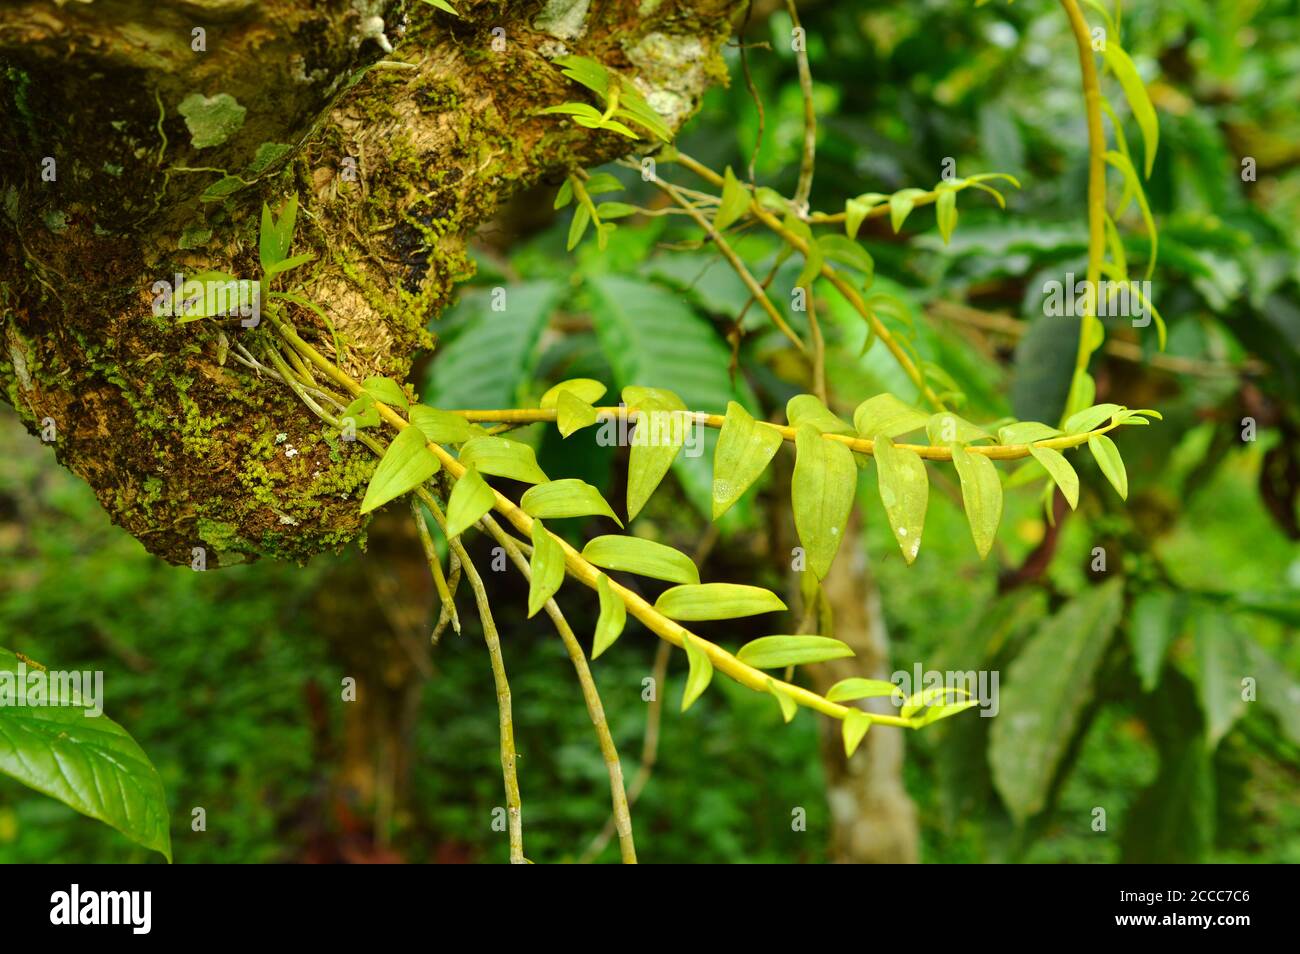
(141, 140)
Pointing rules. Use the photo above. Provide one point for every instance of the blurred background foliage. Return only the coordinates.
(1129, 678)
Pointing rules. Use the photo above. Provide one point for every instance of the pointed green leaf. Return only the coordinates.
(905, 492)
(572, 413)
(405, 465)
(789, 707)
(1139, 100)
(386, 390)
(1026, 432)
(502, 458)
(946, 427)
(1111, 464)
(857, 688)
(588, 389)
(659, 435)
(735, 201)
(745, 447)
(856, 211)
(1221, 664)
(440, 427)
(807, 409)
(716, 601)
(613, 617)
(642, 557)
(945, 211)
(1090, 418)
(777, 652)
(901, 204)
(363, 412)
(1062, 472)
(88, 762)
(701, 672)
(1153, 623)
(822, 489)
(566, 498)
(886, 414)
(854, 727)
(981, 493)
(470, 499)
(546, 568)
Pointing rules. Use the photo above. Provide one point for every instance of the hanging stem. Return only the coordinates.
(804, 189)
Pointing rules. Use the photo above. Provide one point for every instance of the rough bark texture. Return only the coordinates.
(162, 155)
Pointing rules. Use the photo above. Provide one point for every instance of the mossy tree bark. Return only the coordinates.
(141, 140)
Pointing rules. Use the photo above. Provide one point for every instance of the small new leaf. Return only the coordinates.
(613, 617)
(700, 674)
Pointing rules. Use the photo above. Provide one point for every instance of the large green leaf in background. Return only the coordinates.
(1044, 694)
(652, 337)
(88, 763)
(485, 364)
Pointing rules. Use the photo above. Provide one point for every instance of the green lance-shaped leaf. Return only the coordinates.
(1090, 418)
(613, 617)
(777, 652)
(470, 499)
(789, 707)
(946, 427)
(503, 458)
(745, 448)
(588, 390)
(1026, 432)
(386, 390)
(901, 204)
(857, 209)
(936, 712)
(905, 492)
(927, 698)
(842, 249)
(981, 494)
(716, 601)
(1153, 622)
(659, 435)
(1061, 470)
(1045, 693)
(276, 237)
(440, 427)
(406, 464)
(854, 727)
(858, 688)
(700, 674)
(945, 212)
(572, 413)
(1139, 101)
(566, 498)
(89, 763)
(1111, 464)
(1221, 663)
(808, 409)
(546, 568)
(735, 201)
(886, 414)
(821, 492)
(642, 557)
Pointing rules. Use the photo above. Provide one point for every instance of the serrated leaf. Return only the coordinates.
(471, 497)
(502, 458)
(744, 449)
(566, 498)
(702, 601)
(886, 414)
(572, 414)
(700, 674)
(822, 490)
(1061, 471)
(777, 652)
(789, 707)
(1111, 464)
(386, 390)
(440, 427)
(613, 617)
(981, 494)
(588, 390)
(854, 727)
(405, 465)
(1139, 101)
(642, 557)
(90, 763)
(808, 409)
(858, 688)
(1045, 693)
(546, 568)
(735, 201)
(905, 492)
